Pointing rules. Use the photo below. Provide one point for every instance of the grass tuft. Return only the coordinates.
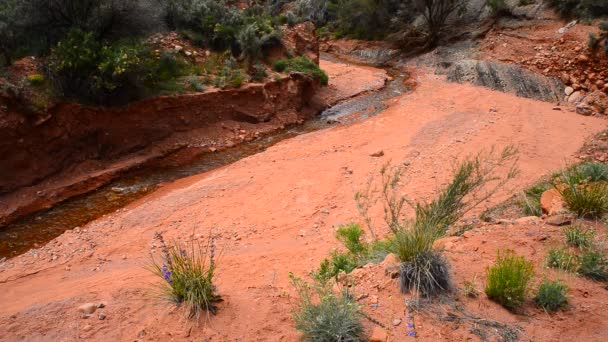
(552, 296)
(470, 288)
(562, 259)
(187, 273)
(593, 265)
(579, 237)
(509, 279)
(324, 316)
(428, 274)
(584, 190)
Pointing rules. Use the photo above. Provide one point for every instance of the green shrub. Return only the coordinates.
(350, 235)
(552, 296)
(230, 75)
(85, 69)
(303, 65)
(324, 316)
(337, 263)
(509, 279)
(428, 274)
(187, 273)
(498, 6)
(195, 84)
(259, 73)
(562, 259)
(593, 265)
(36, 79)
(579, 237)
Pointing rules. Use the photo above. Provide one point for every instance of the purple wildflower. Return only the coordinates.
(412, 334)
(167, 275)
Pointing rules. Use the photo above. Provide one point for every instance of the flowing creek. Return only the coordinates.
(37, 229)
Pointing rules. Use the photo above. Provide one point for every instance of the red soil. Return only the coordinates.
(276, 212)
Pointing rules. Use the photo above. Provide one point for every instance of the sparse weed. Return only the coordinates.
(530, 202)
(593, 265)
(577, 236)
(324, 316)
(562, 259)
(508, 279)
(187, 273)
(470, 288)
(552, 296)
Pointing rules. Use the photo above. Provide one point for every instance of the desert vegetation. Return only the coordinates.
(187, 272)
(101, 51)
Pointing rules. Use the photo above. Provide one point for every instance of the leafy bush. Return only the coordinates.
(593, 265)
(187, 273)
(303, 65)
(498, 6)
(428, 273)
(602, 39)
(580, 8)
(35, 26)
(552, 296)
(562, 259)
(579, 237)
(509, 279)
(85, 69)
(230, 75)
(321, 315)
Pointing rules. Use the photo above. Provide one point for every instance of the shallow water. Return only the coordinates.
(37, 229)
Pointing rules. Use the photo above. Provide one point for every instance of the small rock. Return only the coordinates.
(87, 327)
(569, 91)
(378, 335)
(101, 305)
(377, 154)
(528, 220)
(373, 300)
(559, 220)
(584, 109)
(396, 321)
(575, 97)
(102, 316)
(551, 202)
(87, 308)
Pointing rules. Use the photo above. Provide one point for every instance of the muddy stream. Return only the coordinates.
(37, 229)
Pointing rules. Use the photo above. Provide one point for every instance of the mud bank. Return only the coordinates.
(86, 157)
